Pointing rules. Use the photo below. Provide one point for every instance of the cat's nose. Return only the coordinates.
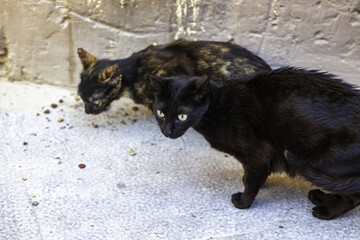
(87, 109)
(167, 131)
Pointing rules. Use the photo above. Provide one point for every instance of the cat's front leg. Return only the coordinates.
(253, 179)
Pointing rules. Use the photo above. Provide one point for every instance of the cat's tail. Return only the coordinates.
(348, 185)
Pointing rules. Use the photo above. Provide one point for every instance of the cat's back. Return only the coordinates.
(287, 83)
(291, 95)
(225, 57)
(305, 101)
(215, 59)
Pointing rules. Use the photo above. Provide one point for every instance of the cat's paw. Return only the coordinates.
(322, 212)
(240, 200)
(317, 197)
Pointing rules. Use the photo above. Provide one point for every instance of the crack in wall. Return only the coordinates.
(3, 53)
(265, 29)
(106, 25)
(66, 22)
(71, 54)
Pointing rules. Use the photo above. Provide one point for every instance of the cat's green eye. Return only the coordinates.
(182, 117)
(160, 113)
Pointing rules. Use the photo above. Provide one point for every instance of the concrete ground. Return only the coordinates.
(170, 189)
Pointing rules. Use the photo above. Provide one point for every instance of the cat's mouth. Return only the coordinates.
(172, 135)
(93, 110)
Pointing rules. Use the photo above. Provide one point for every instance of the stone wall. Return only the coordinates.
(38, 39)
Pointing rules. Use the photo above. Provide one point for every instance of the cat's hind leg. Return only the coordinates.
(345, 196)
(317, 197)
(329, 206)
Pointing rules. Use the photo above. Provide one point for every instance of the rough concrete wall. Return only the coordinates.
(38, 39)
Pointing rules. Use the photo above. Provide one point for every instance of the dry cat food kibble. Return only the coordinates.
(132, 153)
(53, 105)
(81, 165)
(135, 108)
(60, 120)
(47, 111)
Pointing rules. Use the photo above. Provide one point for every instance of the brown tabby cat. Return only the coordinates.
(103, 81)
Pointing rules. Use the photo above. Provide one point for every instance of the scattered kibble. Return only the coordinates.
(35, 203)
(135, 108)
(37, 114)
(225, 155)
(24, 179)
(47, 111)
(33, 196)
(53, 105)
(281, 226)
(61, 101)
(81, 165)
(25, 143)
(132, 153)
(77, 98)
(95, 125)
(60, 120)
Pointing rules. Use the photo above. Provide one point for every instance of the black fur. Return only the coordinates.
(300, 122)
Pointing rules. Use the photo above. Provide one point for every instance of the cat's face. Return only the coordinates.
(100, 82)
(180, 103)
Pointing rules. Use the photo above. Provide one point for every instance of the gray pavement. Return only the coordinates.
(170, 189)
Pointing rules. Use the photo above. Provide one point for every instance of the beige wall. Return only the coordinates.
(39, 38)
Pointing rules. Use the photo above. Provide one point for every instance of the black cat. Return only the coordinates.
(293, 120)
(103, 81)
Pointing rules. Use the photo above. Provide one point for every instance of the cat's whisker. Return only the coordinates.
(183, 142)
(155, 136)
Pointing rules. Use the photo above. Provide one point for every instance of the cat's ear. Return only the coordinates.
(111, 75)
(86, 58)
(158, 82)
(201, 88)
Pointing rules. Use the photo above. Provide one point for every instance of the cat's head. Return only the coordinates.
(180, 103)
(100, 82)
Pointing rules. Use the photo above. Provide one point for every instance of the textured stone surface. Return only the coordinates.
(171, 189)
(41, 37)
